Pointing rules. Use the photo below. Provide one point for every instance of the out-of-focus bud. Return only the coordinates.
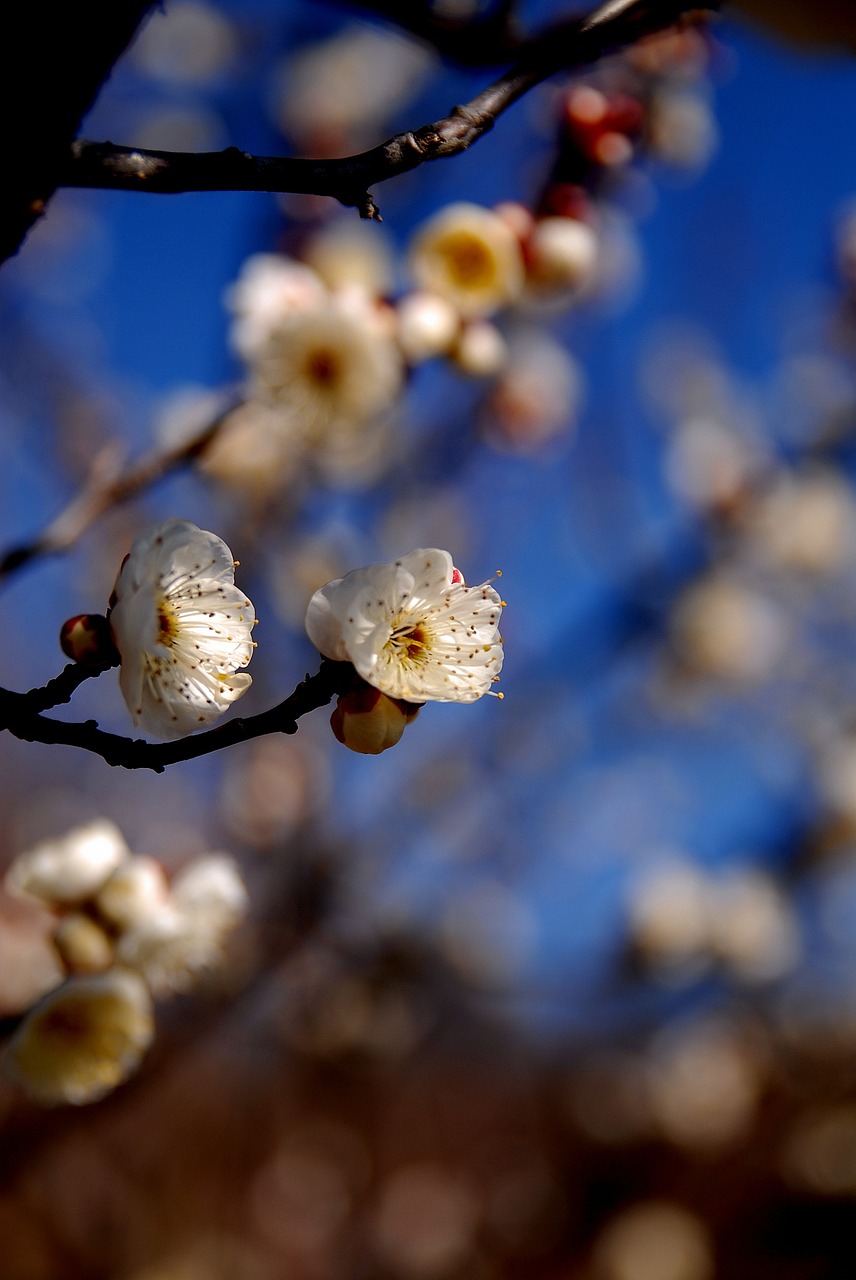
(427, 325)
(516, 216)
(87, 638)
(82, 944)
(367, 721)
(481, 351)
(603, 127)
(561, 255)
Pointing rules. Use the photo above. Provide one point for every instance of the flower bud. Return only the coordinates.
(481, 351)
(82, 944)
(367, 721)
(87, 638)
(427, 325)
(561, 255)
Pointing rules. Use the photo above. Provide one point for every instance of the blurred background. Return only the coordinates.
(561, 986)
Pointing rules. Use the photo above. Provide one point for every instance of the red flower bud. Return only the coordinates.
(87, 638)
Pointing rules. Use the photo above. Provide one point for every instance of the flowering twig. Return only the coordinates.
(19, 715)
(107, 487)
(611, 27)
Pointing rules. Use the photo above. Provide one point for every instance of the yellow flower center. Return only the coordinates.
(167, 623)
(470, 262)
(323, 366)
(409, 644)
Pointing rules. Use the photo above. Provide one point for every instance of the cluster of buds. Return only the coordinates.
(123, 934)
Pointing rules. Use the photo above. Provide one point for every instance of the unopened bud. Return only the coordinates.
(87, 638)
(83, 946)
(481, 350)
(561, 255)
(427, 325)
(367, 721)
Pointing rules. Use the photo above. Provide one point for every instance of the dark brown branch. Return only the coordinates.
(18, 717)
(106, 487)
(577, 43)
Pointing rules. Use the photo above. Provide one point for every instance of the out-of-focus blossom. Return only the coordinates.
(336, 93)
(654, 1240)
(70, 868)
(82, 1040)
(411, 628)
(352, 255)
(182, 628)
(753, 930)
(270, 288)
(536, 396)
(251, 455)
(210, 890)
(190, 44)
(173, 947)
(561, 256)
(681, 129)
(669, 920)
(724, 629)
(470, 256)
(703, 1084)
(134, 891)
(806, 523)
(710, 466)
(327, 365)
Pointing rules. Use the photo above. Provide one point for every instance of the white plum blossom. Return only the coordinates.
(269, 288)
(334, 364)
(471, 257)
(210, 889)
(182, 628)
(186, 936)
(412, 628)
(82, 1040)
(70, 868)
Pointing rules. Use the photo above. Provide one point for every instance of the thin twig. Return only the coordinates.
(611, 27)
(107, 487)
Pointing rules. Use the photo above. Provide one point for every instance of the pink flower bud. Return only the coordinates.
(87, 638)
(367, 721)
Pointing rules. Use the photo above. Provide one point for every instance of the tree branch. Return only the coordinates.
(18, 715)
(53, 60)
(613, 26)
